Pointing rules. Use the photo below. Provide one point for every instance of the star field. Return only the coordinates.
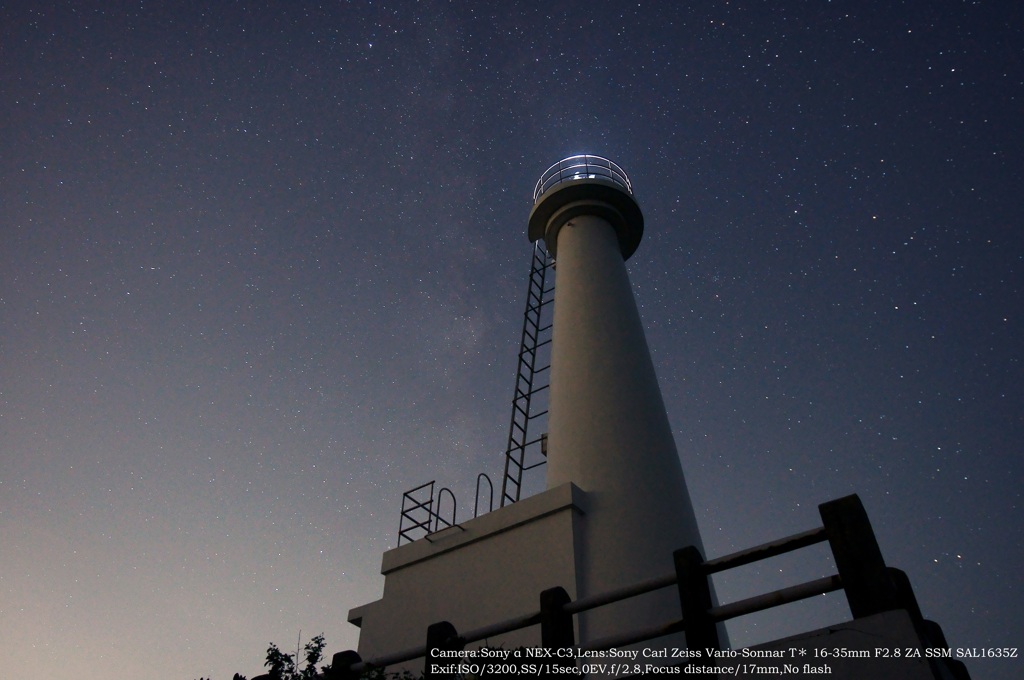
(262, 269)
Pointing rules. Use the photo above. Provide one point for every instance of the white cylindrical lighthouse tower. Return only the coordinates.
(608, 432)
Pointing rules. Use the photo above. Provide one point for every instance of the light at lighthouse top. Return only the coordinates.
(581, 167)
(585, 185)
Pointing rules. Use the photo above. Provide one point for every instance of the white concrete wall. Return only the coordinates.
(608, 432)
(493, 569)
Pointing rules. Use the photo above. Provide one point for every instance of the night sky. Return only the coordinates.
(263, 266)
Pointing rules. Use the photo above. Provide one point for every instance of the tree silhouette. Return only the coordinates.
(284, 666)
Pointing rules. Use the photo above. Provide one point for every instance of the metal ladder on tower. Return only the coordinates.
(529, 380)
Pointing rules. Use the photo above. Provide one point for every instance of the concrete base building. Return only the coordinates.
(489, 569)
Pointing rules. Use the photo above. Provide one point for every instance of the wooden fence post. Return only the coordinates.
(869, 588)
(695, 599)
(440, 636)
(341, 665)
(556, 630)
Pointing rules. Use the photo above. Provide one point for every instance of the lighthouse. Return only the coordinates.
(572, 580)
(615, 506)
(585, 566)
(608, 431)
